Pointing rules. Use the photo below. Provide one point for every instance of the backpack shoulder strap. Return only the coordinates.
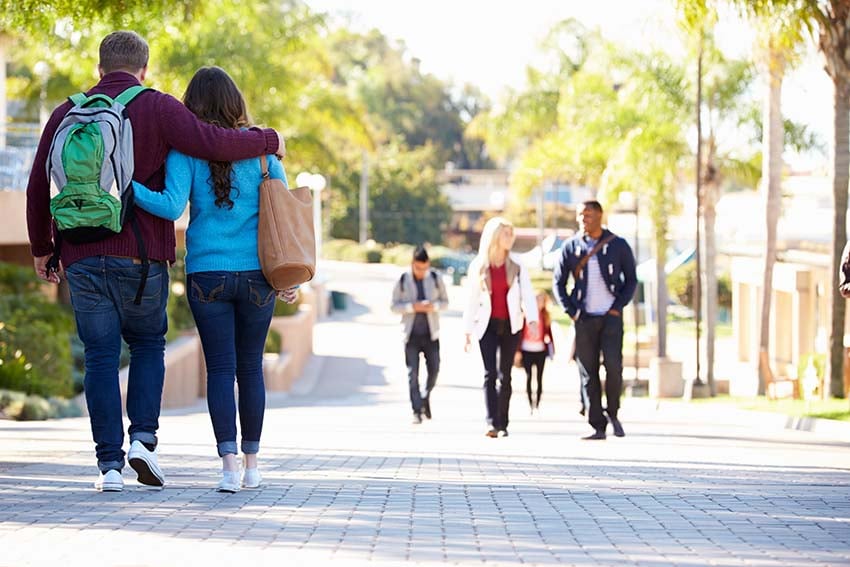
(129, 94)
(78, 98)
(434, 276)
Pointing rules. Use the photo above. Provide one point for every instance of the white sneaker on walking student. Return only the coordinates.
(110, 481)
(144, 462)
(251, 478)
(229, 482)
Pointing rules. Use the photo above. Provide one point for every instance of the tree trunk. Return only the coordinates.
(661, 296)
(835, 45)
(772, 143)
(841, 162)
(3, 119)
(709, 211)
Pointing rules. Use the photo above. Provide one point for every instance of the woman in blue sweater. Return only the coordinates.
(231, 301)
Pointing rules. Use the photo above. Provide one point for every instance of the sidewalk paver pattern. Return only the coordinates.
(350, 481)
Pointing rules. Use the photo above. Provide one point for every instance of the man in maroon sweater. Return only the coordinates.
(105, 276)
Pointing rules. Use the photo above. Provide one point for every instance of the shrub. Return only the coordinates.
(682, 281)
(273, 342)
(35, 350)
(60, 408)
(35, 408)
(398, 254)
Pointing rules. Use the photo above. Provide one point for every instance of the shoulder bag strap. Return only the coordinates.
(586, 258)
(264, 166)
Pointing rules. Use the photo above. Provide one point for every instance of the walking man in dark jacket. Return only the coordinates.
(105, 276)
(603, 270)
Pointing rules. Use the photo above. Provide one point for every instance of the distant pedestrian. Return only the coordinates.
(603, 270)
(500, 297)
(419, 295)
(535, 347)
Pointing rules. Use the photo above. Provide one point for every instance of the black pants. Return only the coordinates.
(498, 346)
(415, 345)
(597, 335)
(538, 361)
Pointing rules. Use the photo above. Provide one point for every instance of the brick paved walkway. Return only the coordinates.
(350, 481)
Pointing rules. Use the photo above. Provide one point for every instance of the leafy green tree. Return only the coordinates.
(405, 201)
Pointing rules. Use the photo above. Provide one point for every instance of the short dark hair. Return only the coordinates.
(592, 204)
(123, 50)
(420, 254)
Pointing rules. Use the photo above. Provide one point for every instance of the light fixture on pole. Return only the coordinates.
(316, 183)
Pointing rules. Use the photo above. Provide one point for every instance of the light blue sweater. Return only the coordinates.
(218, 239)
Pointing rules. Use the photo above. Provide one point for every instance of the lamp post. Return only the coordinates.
(316, 183)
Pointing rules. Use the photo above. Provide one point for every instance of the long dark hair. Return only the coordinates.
(213, 97)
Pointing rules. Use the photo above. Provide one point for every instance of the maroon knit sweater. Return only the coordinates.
(160, 123)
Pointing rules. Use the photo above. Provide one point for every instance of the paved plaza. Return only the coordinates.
(350, 481)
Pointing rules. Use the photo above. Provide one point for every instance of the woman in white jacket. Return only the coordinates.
(499, 292)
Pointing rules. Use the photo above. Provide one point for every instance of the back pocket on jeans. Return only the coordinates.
(260, 292)
(206, 288)
(129, 288)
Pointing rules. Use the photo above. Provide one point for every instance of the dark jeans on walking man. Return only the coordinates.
(416, 345)
(103, 290)
(233, 311)
(595, 335)
(498, 346)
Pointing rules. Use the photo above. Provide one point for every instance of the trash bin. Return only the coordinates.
(339, 300)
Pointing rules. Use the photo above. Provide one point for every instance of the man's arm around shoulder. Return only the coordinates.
(186, 133)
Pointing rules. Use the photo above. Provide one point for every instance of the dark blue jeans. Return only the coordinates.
(498, 347)
(431, 349)
(595, 335)
(233, 311)
(103, 289)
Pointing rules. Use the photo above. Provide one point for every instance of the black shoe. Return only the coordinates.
(426, 407)
(492, 433)
(503, 433)
(597, 435)
(417, 419)
(618, 427)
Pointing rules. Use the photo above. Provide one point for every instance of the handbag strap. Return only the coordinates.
(264, 166)
(586, 258)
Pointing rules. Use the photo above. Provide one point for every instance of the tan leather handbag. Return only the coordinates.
(286, 241)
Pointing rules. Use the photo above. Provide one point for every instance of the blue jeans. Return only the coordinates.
(103, 289)
(233, 311)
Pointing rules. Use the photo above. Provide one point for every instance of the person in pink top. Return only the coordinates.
(500, 300)
(535, 346)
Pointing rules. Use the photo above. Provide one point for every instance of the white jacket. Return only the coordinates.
(521, 298)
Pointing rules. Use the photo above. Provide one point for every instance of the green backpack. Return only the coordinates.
(91, 168)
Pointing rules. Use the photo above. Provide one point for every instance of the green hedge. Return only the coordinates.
(17, 405)
(35, 346)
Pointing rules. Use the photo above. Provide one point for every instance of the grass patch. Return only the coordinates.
(833, 408)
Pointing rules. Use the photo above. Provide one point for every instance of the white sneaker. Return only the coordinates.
(229, 482)
(111, 481)
(251, 478)
(145, 464)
